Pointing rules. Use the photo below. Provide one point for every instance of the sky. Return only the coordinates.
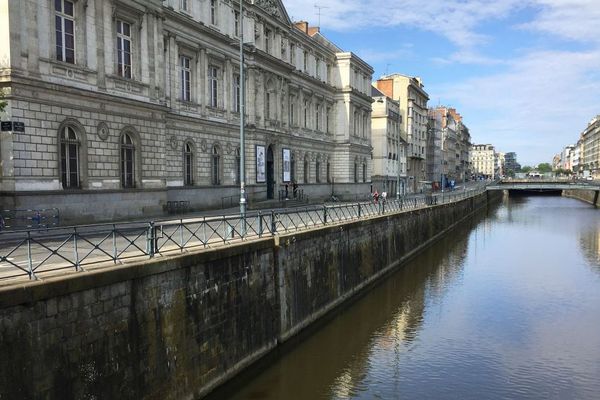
(524, 74)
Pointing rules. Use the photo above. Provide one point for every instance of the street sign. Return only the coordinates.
(5, 126)
(18, 127)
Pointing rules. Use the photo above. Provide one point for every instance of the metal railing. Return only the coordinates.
(29, 218)
(34, 252)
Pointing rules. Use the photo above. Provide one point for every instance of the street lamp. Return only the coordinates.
(242, 118)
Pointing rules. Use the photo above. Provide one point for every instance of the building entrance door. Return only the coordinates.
(270, 174)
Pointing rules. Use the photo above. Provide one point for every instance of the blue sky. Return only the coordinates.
(525, 74)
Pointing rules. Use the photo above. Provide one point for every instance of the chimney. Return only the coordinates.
(313, 30)
(302, 25)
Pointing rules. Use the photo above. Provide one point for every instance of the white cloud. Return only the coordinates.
(536, 107)
(542, 98)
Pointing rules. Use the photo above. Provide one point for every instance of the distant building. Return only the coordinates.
(484, 161)
(590, 148)
(410, 93)
(510, 163)
(389, 148)
(448, 144)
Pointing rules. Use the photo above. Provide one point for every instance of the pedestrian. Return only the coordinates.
(295, 189)
(383, 196)
(376, 196)
(286, 191)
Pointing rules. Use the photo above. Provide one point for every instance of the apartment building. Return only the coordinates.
(389, 148)
(411, 95)
(484, 161)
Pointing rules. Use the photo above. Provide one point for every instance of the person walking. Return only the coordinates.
(376, 196)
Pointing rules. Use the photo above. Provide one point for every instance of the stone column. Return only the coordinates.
(250, 95)
(100, 59)
(202, 68)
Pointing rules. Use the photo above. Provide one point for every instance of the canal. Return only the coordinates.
(506, 307)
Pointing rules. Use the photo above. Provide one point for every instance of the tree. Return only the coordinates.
(526, 169)
(544, 167)
(3, 103)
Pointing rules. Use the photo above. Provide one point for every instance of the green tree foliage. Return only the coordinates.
(544, 167)
(526, 169)
(3, 103)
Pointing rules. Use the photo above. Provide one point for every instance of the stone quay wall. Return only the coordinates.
(589, 196)
(179, 327)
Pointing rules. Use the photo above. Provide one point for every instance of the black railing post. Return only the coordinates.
(324, 214)
(359, 210)
(150, 239)
(273, 223)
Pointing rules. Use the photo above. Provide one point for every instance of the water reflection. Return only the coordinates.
(590, 246)
(504, 308)
(337, 359)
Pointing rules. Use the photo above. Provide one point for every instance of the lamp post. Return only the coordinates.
(242, 118)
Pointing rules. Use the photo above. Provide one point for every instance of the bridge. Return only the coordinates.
(543, 185)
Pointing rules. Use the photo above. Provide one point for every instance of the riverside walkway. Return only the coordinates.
(37, 254)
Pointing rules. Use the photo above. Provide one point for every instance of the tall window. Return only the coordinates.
(188, 165)
(124, 49)
(237, 98)
(293, 54)
(305, 61)
(328, 172)
(268, 41)
(268, 105)
(292, 111)
(213, 12)
(306, 113)
(355, 172)
(213, 84)
(184, 5)
(364, 167)
(318, 117)
(318, 171)
(127, 161)
(216, 166)
(186, 78)
(236, 23)
(69, 158)
(328, 124)
(306, 171)
(64, 21)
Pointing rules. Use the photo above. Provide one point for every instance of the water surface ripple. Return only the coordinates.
(506, 307)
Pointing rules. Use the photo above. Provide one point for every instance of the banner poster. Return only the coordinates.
(260, 164)
(286, 165)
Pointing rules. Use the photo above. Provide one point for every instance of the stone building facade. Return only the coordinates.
(389, 148)
(129, 104)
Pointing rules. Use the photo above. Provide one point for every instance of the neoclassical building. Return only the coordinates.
(116, 107)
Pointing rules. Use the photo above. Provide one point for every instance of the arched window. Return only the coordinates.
(318, 171)
(216, 166)
(188, 164)
(306, 171)
(238, 161)
(69, 158)
(127, 161)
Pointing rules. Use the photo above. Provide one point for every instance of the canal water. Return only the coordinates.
(506, 307)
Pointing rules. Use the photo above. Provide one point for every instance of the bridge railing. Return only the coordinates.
(32, 253)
